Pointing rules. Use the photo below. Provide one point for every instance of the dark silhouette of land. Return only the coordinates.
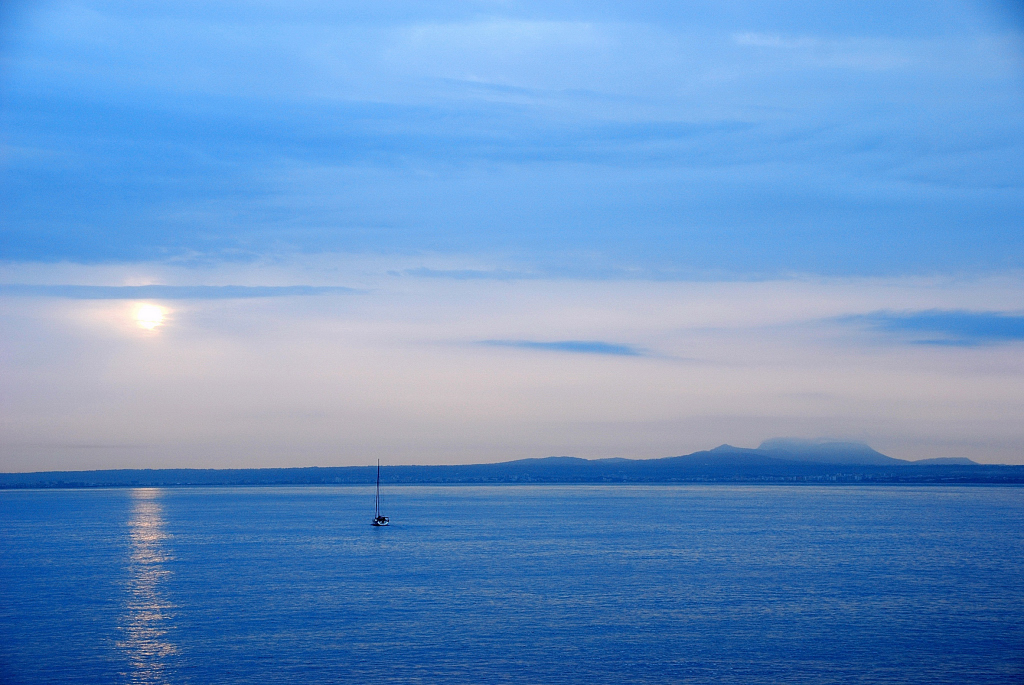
(775, 461)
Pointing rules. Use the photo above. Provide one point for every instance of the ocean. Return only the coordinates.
(518, 584)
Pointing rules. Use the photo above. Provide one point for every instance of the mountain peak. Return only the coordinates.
(825, 450)
(725, 447)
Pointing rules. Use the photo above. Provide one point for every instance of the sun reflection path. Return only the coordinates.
(148, 614)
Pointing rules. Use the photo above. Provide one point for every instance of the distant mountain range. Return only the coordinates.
(780, 460)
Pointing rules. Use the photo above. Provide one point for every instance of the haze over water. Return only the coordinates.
(546, 584)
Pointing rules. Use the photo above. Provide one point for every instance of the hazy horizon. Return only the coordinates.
(797, 445)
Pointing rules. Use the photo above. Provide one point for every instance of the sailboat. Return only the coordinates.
(378, 520)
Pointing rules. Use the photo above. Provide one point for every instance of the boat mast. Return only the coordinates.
(376, 501)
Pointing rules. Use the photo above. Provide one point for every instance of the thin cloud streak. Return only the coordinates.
(573, 346)
(167, 292)
(468, 274)
(957, 328)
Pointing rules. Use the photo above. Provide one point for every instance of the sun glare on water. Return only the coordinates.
(149, 316)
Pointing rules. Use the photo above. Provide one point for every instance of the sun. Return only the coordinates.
(149, 316)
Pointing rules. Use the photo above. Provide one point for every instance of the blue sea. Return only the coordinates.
(518, 584)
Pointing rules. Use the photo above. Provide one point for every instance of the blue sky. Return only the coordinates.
(407, 175)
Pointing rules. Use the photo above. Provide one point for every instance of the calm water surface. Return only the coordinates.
(547, 584)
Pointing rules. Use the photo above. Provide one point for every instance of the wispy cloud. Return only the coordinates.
(467, 274)
(947, 327)
(847, 53)
(763, 40)
(644, 137)
(166, 292)
(575, 346)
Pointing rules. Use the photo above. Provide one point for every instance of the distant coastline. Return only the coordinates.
(775, 462)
